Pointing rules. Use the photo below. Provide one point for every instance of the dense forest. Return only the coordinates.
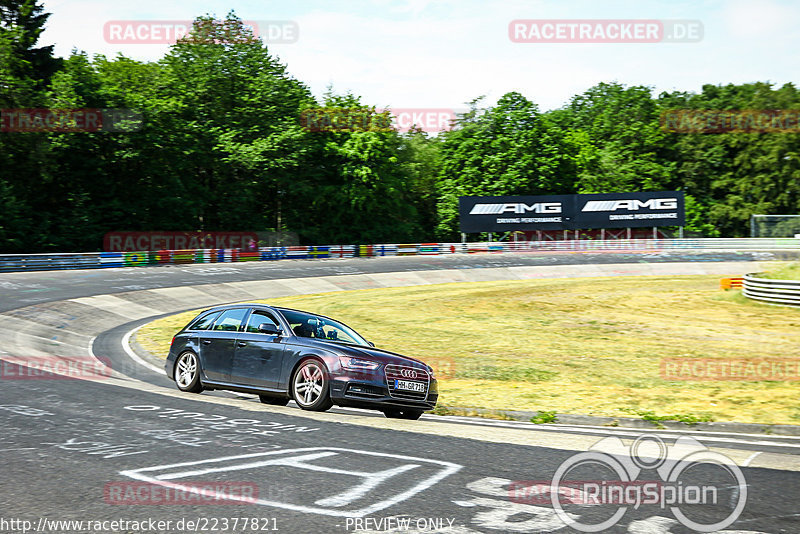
(220, 147)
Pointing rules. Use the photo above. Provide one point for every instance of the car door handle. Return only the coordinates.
(242, 344)
(206, 342)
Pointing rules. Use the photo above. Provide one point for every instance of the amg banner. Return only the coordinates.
(629, 210)
(571, 212)
(504, 214)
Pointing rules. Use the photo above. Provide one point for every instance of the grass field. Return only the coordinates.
(584, 346)
(790, 271)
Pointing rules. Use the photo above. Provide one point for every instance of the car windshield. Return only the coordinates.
(310, 325)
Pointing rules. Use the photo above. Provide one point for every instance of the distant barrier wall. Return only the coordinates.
(94, 260)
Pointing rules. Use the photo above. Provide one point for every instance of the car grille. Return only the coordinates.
(401, 372)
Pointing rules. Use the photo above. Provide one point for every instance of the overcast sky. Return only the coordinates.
(443, 53)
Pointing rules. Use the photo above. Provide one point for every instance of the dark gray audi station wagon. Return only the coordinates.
(282, 354)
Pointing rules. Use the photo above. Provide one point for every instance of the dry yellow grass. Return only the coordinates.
(589, 346)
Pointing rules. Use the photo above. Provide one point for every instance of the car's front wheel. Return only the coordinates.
(310, 386)
(402, 413)
(187, 373)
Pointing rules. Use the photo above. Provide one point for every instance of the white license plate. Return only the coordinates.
(409, 386)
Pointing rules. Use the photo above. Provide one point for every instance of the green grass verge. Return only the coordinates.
(584, 346)
(790, 271)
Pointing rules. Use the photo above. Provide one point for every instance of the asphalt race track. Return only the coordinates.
(124, 450)
(22, 289)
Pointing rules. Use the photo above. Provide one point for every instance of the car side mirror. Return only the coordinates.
(269, 328)
(371, 344)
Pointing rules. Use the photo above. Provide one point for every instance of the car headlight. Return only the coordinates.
(357, 363)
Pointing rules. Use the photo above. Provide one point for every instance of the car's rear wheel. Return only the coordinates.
(403, 413)
(310, 386)
(275, 401)
(187, 373)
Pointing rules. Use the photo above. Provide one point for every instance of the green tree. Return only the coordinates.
(734, 175)
(508, 149)
(421, 155)
(360, 191)
(632, 151)
(24, 73)
(21, 24)
(227, 114)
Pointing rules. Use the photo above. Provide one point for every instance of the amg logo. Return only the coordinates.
(631, 205)
(517, 207)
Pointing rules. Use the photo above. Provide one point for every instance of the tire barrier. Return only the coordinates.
(96, 260)
(783, 292)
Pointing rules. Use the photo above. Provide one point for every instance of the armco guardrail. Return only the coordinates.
(785, 292)
(95, 260)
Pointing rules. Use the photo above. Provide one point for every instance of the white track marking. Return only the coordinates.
(444, 469)
(750, 459)
(135, 357)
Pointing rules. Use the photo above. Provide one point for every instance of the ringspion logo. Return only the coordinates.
(703, 489)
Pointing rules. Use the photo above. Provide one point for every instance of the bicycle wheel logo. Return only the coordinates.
(690, 476)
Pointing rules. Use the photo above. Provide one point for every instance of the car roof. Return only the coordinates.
(263, 306)
(238, 305)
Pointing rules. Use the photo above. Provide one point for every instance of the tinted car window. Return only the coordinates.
(308, 325)
(204, 322)
(230, 320)
(259, 317)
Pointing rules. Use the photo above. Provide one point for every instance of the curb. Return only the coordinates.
(630, 422)
(143, 353)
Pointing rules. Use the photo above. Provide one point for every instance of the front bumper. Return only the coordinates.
(375, 394)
